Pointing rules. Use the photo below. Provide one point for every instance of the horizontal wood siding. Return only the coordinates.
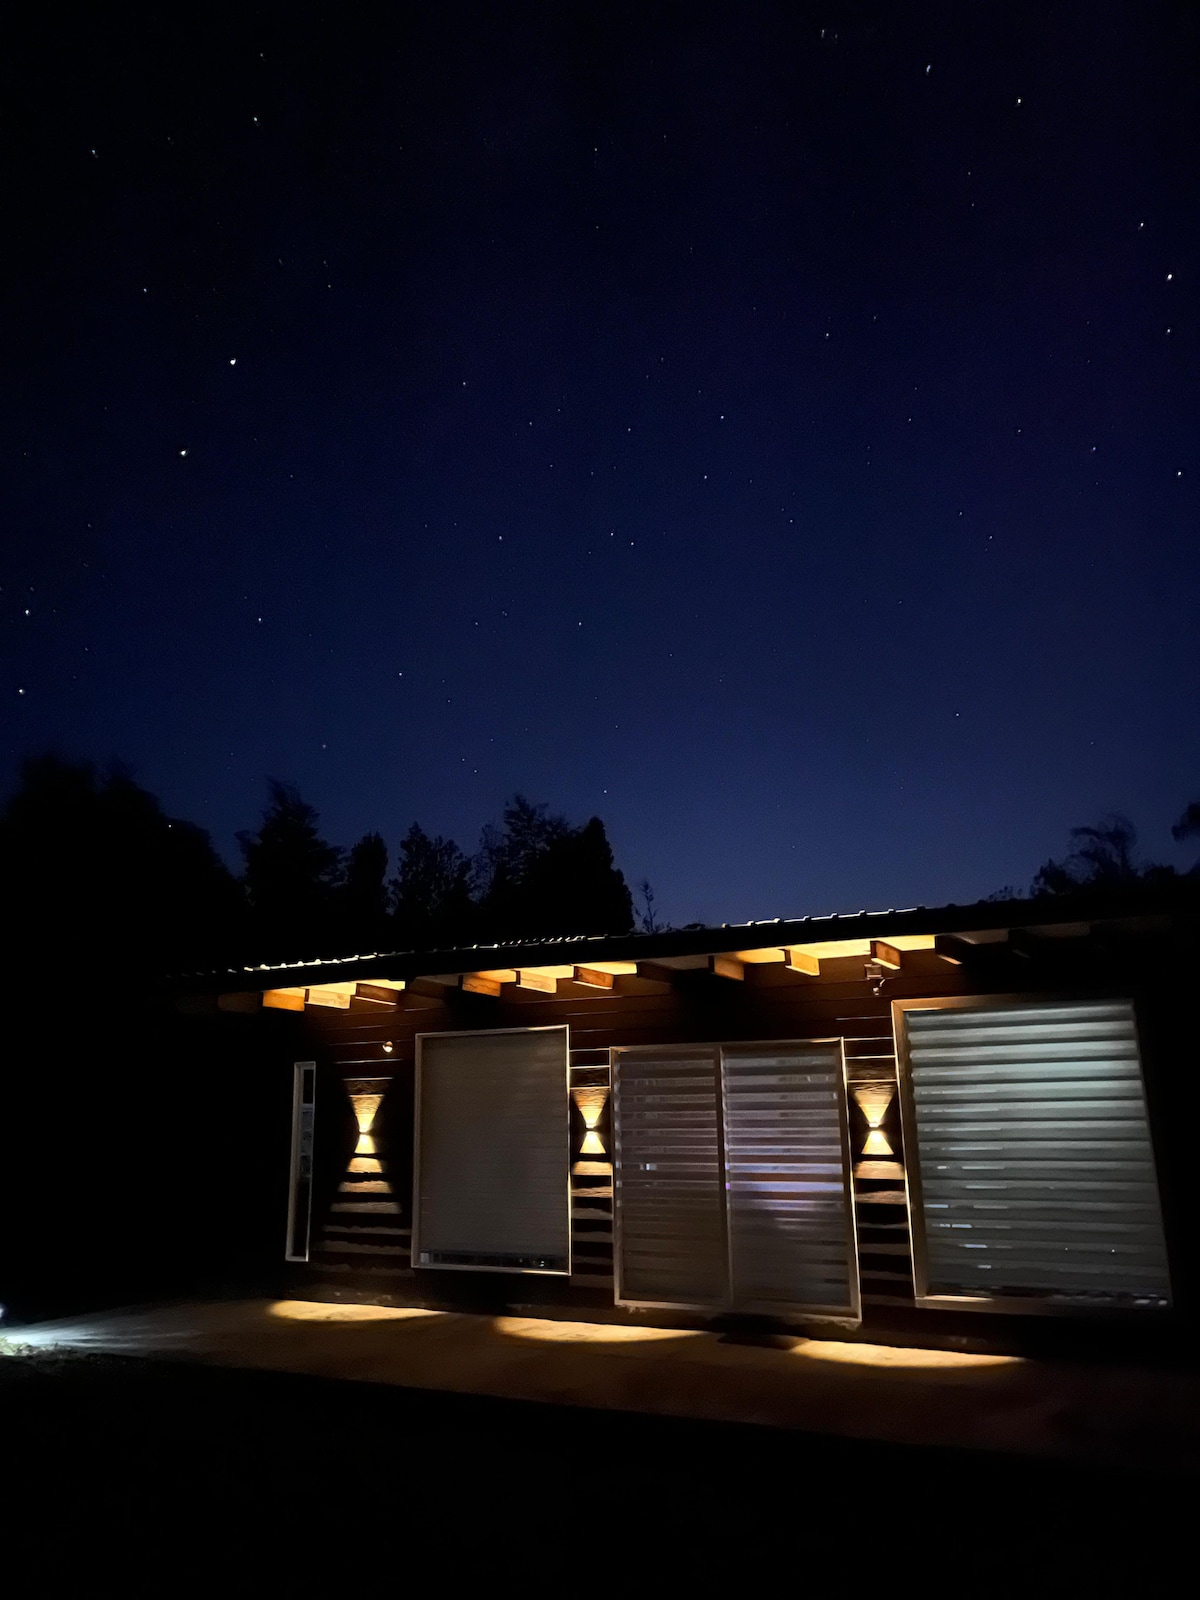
(351, 1250)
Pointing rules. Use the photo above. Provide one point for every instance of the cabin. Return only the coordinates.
(897, 1123)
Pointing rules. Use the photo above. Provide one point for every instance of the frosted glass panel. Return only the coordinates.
(492, 1157)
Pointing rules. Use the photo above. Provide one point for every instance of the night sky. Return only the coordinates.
(771, 427)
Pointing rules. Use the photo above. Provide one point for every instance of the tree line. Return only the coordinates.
(93, 870)
(96, 879)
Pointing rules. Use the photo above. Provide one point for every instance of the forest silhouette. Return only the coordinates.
(94, 872)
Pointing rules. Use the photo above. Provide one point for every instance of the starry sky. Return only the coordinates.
(769, 426)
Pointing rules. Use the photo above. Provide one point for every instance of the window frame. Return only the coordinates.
(1033, 1304)
(415, 1243)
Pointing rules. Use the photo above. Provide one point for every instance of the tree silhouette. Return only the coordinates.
(1103, 858)
(1102, 855)
(1188, 827)
(537, 876)
(93, 870)
(291, 876)
(431, 892)
(364, 894)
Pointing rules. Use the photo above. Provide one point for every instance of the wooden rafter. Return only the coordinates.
(726, 966)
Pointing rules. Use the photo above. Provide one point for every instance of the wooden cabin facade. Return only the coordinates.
(891, 1122)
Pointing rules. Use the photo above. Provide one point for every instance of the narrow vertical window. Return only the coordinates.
(300, 1190)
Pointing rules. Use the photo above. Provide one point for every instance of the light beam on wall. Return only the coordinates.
(591, 1104)
(873, 1100)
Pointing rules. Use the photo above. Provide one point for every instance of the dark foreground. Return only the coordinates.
(122, 1465)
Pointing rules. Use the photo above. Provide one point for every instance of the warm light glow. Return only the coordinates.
(593, 978)
(284, 999)
(365, 1163)
(319, 1311)
(331, 995)
(547, 1332)
(886, 1355)
(591, 1102)
(873, 1100)
(539, 981)
(835, 948)
(365, 1108)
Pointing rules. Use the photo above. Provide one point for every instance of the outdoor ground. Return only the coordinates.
(147, 1471)
(120, 1462)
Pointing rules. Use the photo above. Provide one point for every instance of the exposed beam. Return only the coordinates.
(801, 961)
(284, 999)
(759, 958)
(655, 972)
(542, 982)
(953, 949)
(377, 994)
(726, 967)
(434, 988)
(336, 998)
(593, 978)
(886, 954)
(480, 983)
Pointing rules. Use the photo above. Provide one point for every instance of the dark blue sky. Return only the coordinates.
(772, 427)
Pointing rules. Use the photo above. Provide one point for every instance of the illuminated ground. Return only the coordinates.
(1127, 1417)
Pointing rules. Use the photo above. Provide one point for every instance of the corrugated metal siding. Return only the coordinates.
(1036, 1172)
(791, 1225)
(667, 1178)
(493, 1151)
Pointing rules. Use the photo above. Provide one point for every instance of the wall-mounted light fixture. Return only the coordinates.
(365, 1108)
(873, 1100)
(591, 1104)
(387, 1047)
